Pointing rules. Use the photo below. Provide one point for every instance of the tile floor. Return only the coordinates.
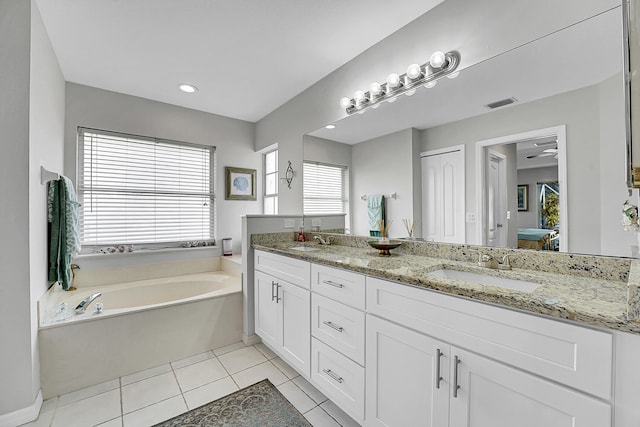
(157, 394)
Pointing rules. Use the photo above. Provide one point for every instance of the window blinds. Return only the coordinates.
(324, 189)
(143, 190)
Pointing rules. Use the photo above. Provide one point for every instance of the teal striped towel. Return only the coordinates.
(64, 238)
(375, 205)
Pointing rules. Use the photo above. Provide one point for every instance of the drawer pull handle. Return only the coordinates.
(438, 377)
(278, 297)
(456, 387)
(330, 283)
(273, 292)
(333, 375)
(333, 326)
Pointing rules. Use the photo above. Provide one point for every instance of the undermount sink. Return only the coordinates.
(484, 279)
(304, 248)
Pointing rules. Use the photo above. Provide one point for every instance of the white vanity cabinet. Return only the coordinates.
(473, 364)
(338, 337)
(283, 309)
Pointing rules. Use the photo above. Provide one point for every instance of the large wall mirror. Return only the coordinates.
(544, 169)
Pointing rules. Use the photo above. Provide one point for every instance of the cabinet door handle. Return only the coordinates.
(334, 284)
(278, 297)
(334, 326)
(273, 293)
(438, 377)
(456, 387)
(333, 375)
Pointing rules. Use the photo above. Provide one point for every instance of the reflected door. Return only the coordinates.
(496, 200)
(443, 196)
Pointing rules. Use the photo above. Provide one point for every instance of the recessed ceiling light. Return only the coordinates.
(187, 88)
(330, 126)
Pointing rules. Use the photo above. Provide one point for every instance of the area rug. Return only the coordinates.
(258, 405)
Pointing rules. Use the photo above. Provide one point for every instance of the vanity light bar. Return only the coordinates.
(440, 64)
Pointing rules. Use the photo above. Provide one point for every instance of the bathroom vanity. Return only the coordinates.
(393, 345)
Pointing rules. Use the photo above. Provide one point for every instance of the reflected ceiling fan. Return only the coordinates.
(552, 150)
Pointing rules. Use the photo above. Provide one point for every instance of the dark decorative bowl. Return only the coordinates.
(384, 247)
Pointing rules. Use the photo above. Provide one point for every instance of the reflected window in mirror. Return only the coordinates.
(271, 182)
(326, 189)
(548, 205)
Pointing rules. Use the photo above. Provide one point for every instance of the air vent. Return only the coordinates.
(501, 103)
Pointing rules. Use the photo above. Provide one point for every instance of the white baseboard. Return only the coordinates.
(250, 339)
(24, 415)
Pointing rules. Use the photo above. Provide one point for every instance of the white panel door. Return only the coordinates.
(443, 196)
(266, 308)
(295, 333)
(407, 377)
(485, 393)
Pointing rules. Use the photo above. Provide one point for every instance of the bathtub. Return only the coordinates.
(143, 324)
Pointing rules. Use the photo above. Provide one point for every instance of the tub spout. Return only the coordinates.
(85, 302)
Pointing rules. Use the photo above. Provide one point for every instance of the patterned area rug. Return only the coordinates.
(258, 405)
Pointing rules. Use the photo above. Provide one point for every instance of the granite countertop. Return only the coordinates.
(597, 301)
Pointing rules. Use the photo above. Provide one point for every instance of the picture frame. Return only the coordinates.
(523, 197)
(240, 183)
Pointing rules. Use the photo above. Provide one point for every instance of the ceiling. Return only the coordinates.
(247, 57)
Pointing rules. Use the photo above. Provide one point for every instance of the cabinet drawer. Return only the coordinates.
(339, 326)
(573, 355)
(340, 285)
(341, 379)
(290, 269)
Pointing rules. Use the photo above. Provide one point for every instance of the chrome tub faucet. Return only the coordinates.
(322, 241)
(80, 308)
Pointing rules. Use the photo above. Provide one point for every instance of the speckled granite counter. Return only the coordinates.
(599, 291)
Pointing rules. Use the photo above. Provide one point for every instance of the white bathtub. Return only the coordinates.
(143, 324)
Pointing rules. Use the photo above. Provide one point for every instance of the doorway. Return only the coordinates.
(558, 135)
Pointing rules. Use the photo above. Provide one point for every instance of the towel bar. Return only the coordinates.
(46, 175)
(390, 196)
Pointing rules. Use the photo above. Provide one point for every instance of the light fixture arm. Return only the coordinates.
(451, 62)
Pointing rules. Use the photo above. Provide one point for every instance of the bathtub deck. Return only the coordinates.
(157, 394)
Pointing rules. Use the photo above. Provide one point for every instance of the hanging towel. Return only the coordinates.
(375, 206)
(64, 237)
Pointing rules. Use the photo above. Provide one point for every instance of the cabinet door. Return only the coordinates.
(266, 309)
(295, 332)
(407, 377)
(491, 394)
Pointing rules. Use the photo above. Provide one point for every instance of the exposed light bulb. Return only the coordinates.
(453, 75)
(375, 88)
(431, 84)
(393, 80)
(359, 96)
(414, 71)
(437, 59)
(410, 92)
(187, 88)
(346, 102)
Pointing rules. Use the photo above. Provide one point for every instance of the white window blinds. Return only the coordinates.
(325, 189)
(144, 190)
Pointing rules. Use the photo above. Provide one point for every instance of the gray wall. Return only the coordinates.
(380, 167)
(531, 177)
(481, 30)
(101, 109)
(32, 120)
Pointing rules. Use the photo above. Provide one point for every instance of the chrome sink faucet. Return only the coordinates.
(322, 241)
(80, 308)
(487, 261)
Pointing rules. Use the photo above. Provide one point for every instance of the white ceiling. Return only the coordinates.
(247, 57)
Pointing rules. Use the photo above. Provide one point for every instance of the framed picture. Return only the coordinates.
(523, 197)
(241, 183)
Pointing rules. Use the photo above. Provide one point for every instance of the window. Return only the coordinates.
(141, 190)
(325, 189)
(271, 183)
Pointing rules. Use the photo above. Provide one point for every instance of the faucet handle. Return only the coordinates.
(505, 265)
